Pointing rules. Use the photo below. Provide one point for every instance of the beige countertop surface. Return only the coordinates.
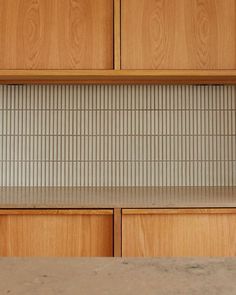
(117, 197)
(113, 276)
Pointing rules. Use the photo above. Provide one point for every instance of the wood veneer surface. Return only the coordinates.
(179, 34)
(42, 34)
(32, 233)
(180, 232)
(171, 77)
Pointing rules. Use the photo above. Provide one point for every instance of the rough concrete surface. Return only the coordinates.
(115, 276)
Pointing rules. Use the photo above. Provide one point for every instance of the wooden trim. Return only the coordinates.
(178, 211)
(117, 232)
(117, 34)
(55, 212)
(118, 76)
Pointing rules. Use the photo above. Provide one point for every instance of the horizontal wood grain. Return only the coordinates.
(42, 34)
(118, 76)
(53, 234)
(183, 34)
(179, 211)
(179, 233)
(55, 212)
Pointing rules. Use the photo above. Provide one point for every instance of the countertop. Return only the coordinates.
(118, 276)
(117, 197)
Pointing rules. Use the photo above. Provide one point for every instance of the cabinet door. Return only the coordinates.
(56, 34)
(56, 233)
(181, 232)
(178, 34)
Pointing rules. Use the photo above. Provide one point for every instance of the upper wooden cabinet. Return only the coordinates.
(118, 41)
(56, 34)
(178, 34)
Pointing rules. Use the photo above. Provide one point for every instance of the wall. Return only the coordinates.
(117, 135)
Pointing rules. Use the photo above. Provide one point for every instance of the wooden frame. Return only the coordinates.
(117, 232)
(56, 212)
(179, 211)
(117, 34)
(118, 76)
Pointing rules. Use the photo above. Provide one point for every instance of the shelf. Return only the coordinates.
(117, 197)
(118, 76)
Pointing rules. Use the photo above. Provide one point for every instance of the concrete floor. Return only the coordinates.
(113, 276)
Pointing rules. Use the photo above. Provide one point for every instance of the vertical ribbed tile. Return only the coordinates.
(127, 135)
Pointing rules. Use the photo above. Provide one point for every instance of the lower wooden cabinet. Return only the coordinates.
(135, 232)
(179, 232)
(56, 233)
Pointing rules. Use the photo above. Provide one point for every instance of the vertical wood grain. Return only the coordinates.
(183, 34)
(56, 234)
(197, 233)
(117, 34)
(117, 232)
(70, 34)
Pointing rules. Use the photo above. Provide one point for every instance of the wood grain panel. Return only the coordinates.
(117, 34)
(56, 233)
(118, 77)
(183, 34)
(179, 233)
(70, 34)
(117, 232)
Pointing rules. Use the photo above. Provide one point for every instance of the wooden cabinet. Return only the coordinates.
(56, 233)
(179, 232)
(52, 34)
(178, 34)
(134, 233)
(118, 41)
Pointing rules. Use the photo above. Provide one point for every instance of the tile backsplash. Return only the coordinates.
(125, 135)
